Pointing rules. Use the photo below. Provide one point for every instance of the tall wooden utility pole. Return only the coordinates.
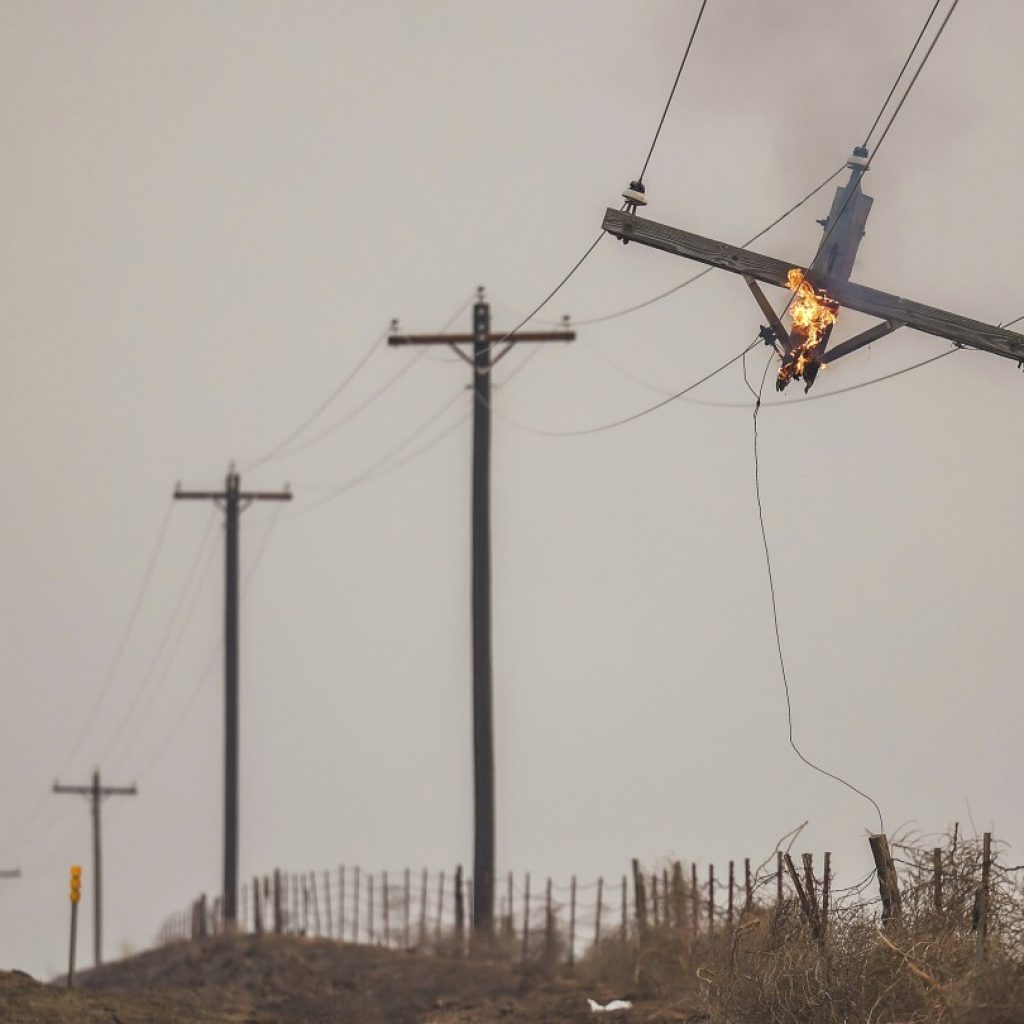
(234, 502)
(96, 792)
(482, 362)
(829, 273)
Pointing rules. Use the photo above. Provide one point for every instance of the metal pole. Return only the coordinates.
(71, 950)
(231, 510)
(97, 870)
(483, 724)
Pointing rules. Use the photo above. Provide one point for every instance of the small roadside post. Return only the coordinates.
(76, 895)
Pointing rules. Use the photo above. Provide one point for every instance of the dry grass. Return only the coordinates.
(770, 969)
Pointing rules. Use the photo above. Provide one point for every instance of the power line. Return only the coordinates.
(775, 612)
(920, 68)
(633, 416)
(122, 646)
(672, 92)
(906, 64)
(320, 409)
(372, 471)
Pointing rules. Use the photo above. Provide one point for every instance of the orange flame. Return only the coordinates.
(813, 313)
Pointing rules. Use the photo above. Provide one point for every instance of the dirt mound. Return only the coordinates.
(259, 979)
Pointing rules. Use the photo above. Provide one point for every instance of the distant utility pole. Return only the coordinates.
(96, 793)
(233, 501)
(482, 362)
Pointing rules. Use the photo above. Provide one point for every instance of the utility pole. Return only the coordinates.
(482, 362)
(96, 792)
(233, 501)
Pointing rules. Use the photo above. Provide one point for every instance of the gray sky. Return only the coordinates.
(211, 210)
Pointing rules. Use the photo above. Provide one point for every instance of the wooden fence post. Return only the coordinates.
(257, 910)
(440, 906)
(981, 901)
(316, 901)
(624, 927)
(826, 897)
(510, 921)
(748, 884)
(778, 879)
(526, 920)
(405, 922)
(572, 924)
(384, 901)
(294, 917)
(711, 899)
(424, 882)
(278, 908)
(244, 900)
(327, 904)
(732, 890)
(812, 919)
(597, 910)
(678, 904)
(639, 901)
(694, 902)
(341, 902)
(469, 916)
(812, 894)
(305, 905)
(369, 906)
(549, 925)
(654, 898)
(937, 878)
(888, 882)
(460, 913)
(202, 916)
(355, 905)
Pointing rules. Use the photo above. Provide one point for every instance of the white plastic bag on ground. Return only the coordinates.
(615, 1004)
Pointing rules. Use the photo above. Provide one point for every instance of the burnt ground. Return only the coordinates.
(259, 979)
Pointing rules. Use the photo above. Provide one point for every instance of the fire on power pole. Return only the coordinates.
(96, 792)
(825, 286)
(233, 501)
(482, 361)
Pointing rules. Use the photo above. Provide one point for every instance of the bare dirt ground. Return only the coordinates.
(259, 979)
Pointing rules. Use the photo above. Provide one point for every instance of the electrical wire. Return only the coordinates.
(672, 92)
(775, 611)
(906, 64)
(377, 468)
(122, 646)
(633, 416)
(218, 648)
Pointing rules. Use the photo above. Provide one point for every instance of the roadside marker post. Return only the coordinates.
(76, 895)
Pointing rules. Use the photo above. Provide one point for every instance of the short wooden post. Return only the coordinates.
(778, 878)
(748, 884)
(510, 921)
(678, 905)
(937, 878)
(424, 882)
(257, 910)
(624, 926)
(549, 925)
(598, 909)
(440, 907)
(639, 901)
(244, 906)
(526, 919)
(278, 904)
(654, 898)
(341, 902)
(572, 924)
(981, 899)
(369, 906)
(812, 919)
(809, 881)
(405, 922)
(384, 905)
(711, 899)
(327, 904)
(888, 883)
(460, 913)
(295, 919)
(355, 904)
(305, 906)
(316, 902)
(826, 897)
(694, 903)
(469, 916)
(202, 916)
(732, 891)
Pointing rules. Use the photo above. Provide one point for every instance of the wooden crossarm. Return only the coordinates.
(938, 322)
